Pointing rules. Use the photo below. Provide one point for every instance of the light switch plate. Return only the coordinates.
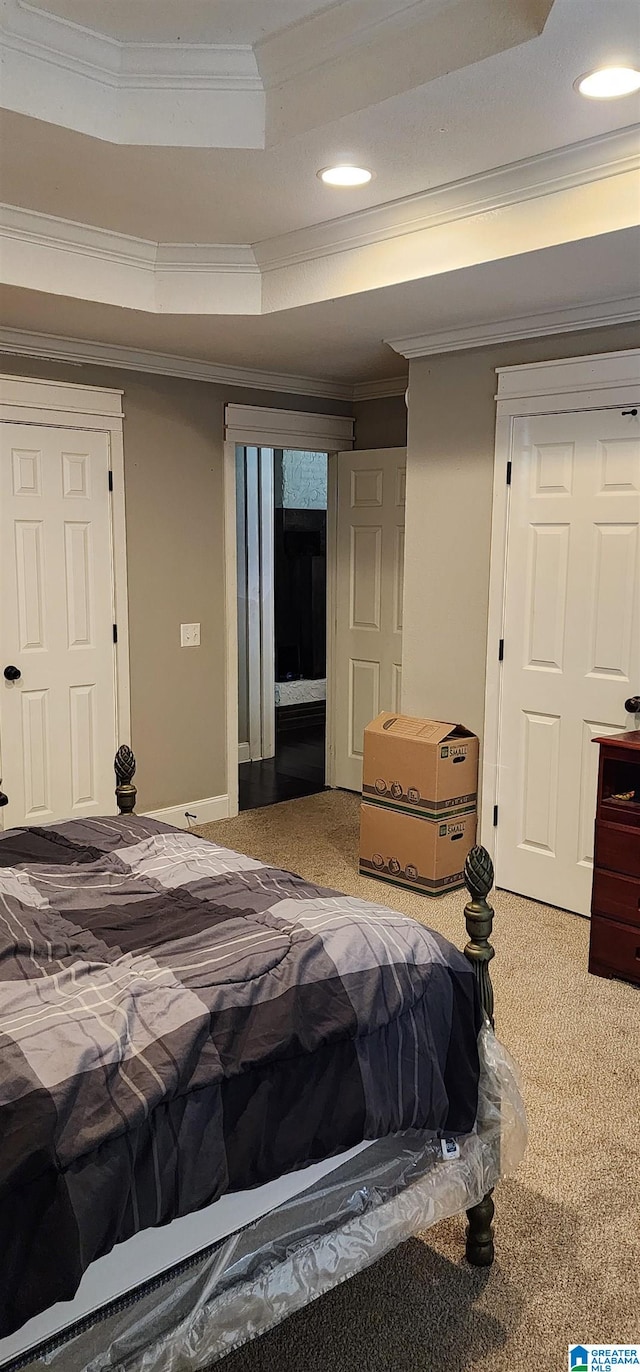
(189, 635)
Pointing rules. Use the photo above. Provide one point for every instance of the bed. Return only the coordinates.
(223, 1090)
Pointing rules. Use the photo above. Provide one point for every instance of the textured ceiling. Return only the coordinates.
(187, 21)
(453, 122)
(511, 106)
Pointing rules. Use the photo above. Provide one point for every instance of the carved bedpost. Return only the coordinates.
(478, 875)
(125, 766)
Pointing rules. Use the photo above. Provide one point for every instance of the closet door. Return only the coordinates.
(571, 641)
(368, 600)
(58, 696)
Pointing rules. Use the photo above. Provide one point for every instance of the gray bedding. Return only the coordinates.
(178, 1021)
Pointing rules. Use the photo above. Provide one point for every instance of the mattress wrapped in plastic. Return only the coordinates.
(248, 1282)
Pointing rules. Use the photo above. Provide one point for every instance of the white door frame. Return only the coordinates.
(58, 404)
(231, 621)
(254, 426)
(258, 584)
(332, 623)
(267, 606)
(602, 381)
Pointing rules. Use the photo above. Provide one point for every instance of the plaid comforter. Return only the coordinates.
(177, 1021)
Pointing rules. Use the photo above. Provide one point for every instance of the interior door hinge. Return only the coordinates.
(115, 633)
(509, 472)
(501, 650)
(495, 816)
(110, 479)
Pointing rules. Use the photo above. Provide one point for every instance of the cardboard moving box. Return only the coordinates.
(420, 766)
(406, 850)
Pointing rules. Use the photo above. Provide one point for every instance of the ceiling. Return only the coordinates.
(342, 341)
(190, 21)
(512, 106)
(164, 195)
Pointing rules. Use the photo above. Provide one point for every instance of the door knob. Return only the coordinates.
(632, 705)
(12, 673)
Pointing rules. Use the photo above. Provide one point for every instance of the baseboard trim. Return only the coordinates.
(213, 807)
(244, 752)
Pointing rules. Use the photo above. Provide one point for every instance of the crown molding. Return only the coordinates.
(65, 74)
(297, 78)
(124, 249)
(237, 259)
(378, 390)
(49, 231)
(584, 190)
(321, 38)
(49, 37)
(598, 314)
(577, 164)
(349, 56)
(77, 351)
(97, 264)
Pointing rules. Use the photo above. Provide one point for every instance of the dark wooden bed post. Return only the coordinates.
(125, 766)
(478, 876)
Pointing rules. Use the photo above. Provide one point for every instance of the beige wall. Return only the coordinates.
(448, 517)
(381, 423)
(173, 444)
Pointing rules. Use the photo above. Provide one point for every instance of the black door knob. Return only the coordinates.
(632, 705)
(12, 673)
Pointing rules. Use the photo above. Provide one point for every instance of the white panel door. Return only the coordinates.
(368, 599)
(58, 718)
(571, 641)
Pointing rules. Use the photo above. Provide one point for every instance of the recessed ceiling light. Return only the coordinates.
(345, 176)
(608, 83)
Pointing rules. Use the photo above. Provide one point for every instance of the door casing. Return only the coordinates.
(602, 381)
(257, 548)
(56, 404)
(268, 428)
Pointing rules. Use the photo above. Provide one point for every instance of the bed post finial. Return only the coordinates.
(478, 876)
(125, 766)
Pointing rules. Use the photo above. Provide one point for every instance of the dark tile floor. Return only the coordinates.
(296, 770)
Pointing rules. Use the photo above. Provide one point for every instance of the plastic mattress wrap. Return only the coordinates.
(248, 1282)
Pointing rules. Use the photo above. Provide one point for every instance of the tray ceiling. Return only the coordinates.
(160, 157)
(329, 347)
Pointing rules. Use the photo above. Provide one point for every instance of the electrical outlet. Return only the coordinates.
(189, 635)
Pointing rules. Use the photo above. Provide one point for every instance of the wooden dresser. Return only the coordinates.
(614, 949)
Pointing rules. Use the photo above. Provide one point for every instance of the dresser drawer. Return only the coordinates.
(618, 848)
(616, 896)
(614, 949)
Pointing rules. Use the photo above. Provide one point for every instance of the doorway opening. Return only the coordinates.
(281, 504)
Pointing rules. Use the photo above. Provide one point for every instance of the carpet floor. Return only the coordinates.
(568, 1224)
